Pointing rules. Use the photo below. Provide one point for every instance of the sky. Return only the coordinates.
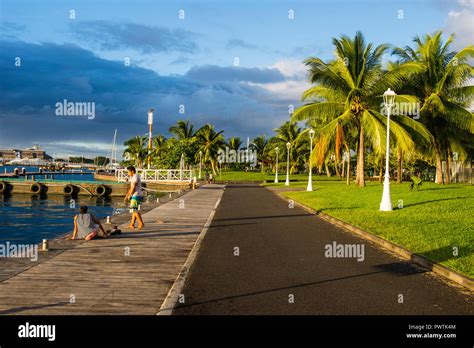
(235, 64)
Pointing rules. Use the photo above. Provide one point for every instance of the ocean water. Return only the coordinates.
(28, 218)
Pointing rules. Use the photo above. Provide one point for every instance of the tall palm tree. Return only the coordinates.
(234, 143)
(259, 145)
(442, 85)
(209, 142)
(136, 150)
(290, 133)
(347, 96)
(159, 142)
(183, 130)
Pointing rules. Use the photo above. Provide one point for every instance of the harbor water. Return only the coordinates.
(26, 218)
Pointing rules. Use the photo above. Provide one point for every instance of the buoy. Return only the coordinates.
(36, 188)
(3, 186)
(69, 189)
(100, 190)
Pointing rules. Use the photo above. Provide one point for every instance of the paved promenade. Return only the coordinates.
(280, 267)
(126, 274)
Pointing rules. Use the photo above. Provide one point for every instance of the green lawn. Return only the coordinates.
(432, 222)
(258, 176)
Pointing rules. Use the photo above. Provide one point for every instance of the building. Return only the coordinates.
(34, 152)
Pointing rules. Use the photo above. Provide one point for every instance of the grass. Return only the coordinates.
(432, 222)
(258, 176)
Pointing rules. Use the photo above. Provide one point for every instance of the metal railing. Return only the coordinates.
(157, 175)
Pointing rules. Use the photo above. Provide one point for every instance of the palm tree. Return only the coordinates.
(290, 133)
(159, 142)
(347, 96)
(183, 130)
(136, 150)
(234, 143)
(210, 142)
(442, 87)
(259, 145)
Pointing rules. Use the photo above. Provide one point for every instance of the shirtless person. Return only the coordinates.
(134, 194)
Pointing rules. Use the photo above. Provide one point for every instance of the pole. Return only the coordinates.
(287, 182)
(310, 178)
(150, 145)
(386, 203)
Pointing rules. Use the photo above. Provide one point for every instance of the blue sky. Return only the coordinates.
(177, 61)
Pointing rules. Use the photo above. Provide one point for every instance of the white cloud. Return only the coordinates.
(294, 85)
(460, 22)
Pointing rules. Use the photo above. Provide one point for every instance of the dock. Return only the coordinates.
(130, 273)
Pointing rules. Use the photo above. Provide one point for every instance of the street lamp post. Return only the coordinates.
(386, 203)
(150, 139)
(310, 178)
(276, 167)
(288, 146)
(200, 163)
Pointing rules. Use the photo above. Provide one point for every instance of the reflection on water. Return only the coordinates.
(28, 218)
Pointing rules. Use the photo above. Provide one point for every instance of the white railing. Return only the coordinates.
(157, 175)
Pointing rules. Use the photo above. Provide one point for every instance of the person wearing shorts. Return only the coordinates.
(87, 226)
(134, 194)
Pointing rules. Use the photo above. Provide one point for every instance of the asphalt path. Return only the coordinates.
(260, 256)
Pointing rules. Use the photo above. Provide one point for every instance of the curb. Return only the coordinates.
(171, 299)
(404, 253)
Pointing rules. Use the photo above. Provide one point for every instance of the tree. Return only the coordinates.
(209, 142)
(290, 133)
(442, 85)
(234, 143)
(183, 130)
(259, 145)
(347, 97)
(136, 150)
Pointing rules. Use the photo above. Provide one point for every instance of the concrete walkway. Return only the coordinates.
(262, 257)
(126, 274)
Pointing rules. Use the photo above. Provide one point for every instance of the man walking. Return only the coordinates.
(134, 194)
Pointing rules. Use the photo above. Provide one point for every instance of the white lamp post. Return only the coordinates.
(288, 146)
(386, 203)
(310, 178)
(150, 140)
(276, 167)
(200, 163)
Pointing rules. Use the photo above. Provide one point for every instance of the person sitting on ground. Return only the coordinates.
(87, 226)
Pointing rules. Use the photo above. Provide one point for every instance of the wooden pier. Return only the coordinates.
(127, 274)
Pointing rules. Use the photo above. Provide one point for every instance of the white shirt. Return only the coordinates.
(135, 179)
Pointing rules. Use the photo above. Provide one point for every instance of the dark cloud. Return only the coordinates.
(235, 74)
(50, 73)
(147, 39)
(237, 43)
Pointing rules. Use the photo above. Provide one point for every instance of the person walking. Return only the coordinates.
(135, 196)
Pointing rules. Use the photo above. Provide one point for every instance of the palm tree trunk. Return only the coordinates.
(448, 167)
(399, 166)
(336, 168)
(348, 181)
(343, 168)
(328, 173)
(360, 179)
(439, 165)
